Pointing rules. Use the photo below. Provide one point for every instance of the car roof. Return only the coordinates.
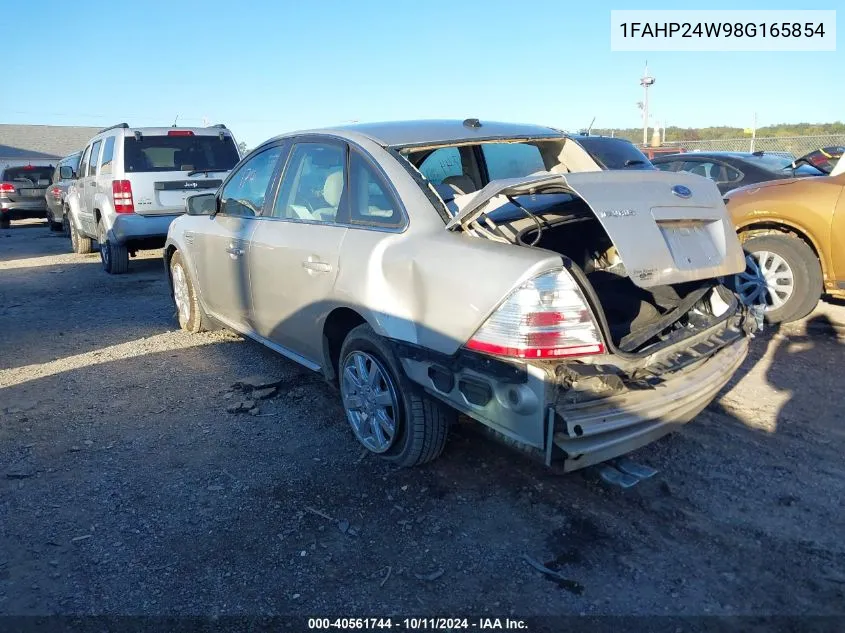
(435, 131)
(718, 154)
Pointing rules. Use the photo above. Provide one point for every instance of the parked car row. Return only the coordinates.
(790, 216)
(559, 289)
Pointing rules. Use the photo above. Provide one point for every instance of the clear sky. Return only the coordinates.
(263, 67)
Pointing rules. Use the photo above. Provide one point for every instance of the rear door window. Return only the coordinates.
(512, 160)
(179, 153)
(108, 157)
(313, 184)
(95, 154)
(83, 165)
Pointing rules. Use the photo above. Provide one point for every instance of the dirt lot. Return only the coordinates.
(127, 488)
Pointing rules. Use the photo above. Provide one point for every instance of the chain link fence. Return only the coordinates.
(795, 146)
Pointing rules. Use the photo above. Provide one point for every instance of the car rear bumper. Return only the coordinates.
(133, 227)
(591, 432)
(24, 209)
(590, 420)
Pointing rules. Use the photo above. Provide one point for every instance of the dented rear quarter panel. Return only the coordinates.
(431, 287)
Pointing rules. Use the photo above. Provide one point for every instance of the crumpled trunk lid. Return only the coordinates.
(669, 228)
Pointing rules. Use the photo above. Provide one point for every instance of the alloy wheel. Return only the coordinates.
(768, 280)
(105, 255)
(369, 398)
(181, 295)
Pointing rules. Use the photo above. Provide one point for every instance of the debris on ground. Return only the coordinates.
(257, 381)
(263, 394)
(432, 576)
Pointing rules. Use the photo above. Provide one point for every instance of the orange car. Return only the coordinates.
(793, 232)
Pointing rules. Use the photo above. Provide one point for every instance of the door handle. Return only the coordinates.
(234, 251)
(316, 266)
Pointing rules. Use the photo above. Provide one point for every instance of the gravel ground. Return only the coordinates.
(127, 488)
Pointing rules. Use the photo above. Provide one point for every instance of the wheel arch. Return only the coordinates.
(337, 325)
(784, 227)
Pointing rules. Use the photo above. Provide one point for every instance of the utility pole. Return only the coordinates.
(646, 81)
(753, 132)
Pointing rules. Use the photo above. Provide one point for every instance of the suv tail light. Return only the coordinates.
(56, 192)
(546, 317)
(180, 133)
(122, 190)
(7, 187)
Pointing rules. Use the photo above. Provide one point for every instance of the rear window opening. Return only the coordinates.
(28, 175)
(179, 153)
(638, 319)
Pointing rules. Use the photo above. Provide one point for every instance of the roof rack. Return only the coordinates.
(121, 125)
(219, 125)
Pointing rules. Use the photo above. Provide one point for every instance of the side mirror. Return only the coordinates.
(201, 204)
(66, 173)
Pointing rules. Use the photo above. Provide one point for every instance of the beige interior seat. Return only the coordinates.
(461, 184)
(332, 191)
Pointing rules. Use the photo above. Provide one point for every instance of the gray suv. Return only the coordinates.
(22, 190)
(132, 183)
(64, 175)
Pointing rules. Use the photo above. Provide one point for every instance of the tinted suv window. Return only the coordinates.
(244, 194)
(108, 156)
(178, 153)
(372, 202)
(614, 153)
(512, 160)
(28, 175)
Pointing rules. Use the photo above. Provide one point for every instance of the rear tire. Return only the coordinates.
(793, 271)
(115, 257)
(421, 424)
(5, 222)
(189, 312)
(81, 244)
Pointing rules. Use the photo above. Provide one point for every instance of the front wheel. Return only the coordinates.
(388, 414)
(188, 309)
(115, 257)
(783, 274)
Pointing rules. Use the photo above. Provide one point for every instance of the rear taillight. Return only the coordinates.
(7, 187)
(546, 317)
(122, 190)
(180, 133)
(56, 192)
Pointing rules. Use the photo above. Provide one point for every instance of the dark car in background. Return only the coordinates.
(64, 174)
(613, 153)
(730, 170)
(22, 190)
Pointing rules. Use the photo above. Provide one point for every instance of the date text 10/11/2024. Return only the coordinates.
(418, 624)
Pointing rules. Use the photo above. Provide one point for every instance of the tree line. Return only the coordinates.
(674, 133)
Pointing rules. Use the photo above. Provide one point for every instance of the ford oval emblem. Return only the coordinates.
(681, 191)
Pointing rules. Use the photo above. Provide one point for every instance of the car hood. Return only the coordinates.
(668, 227)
